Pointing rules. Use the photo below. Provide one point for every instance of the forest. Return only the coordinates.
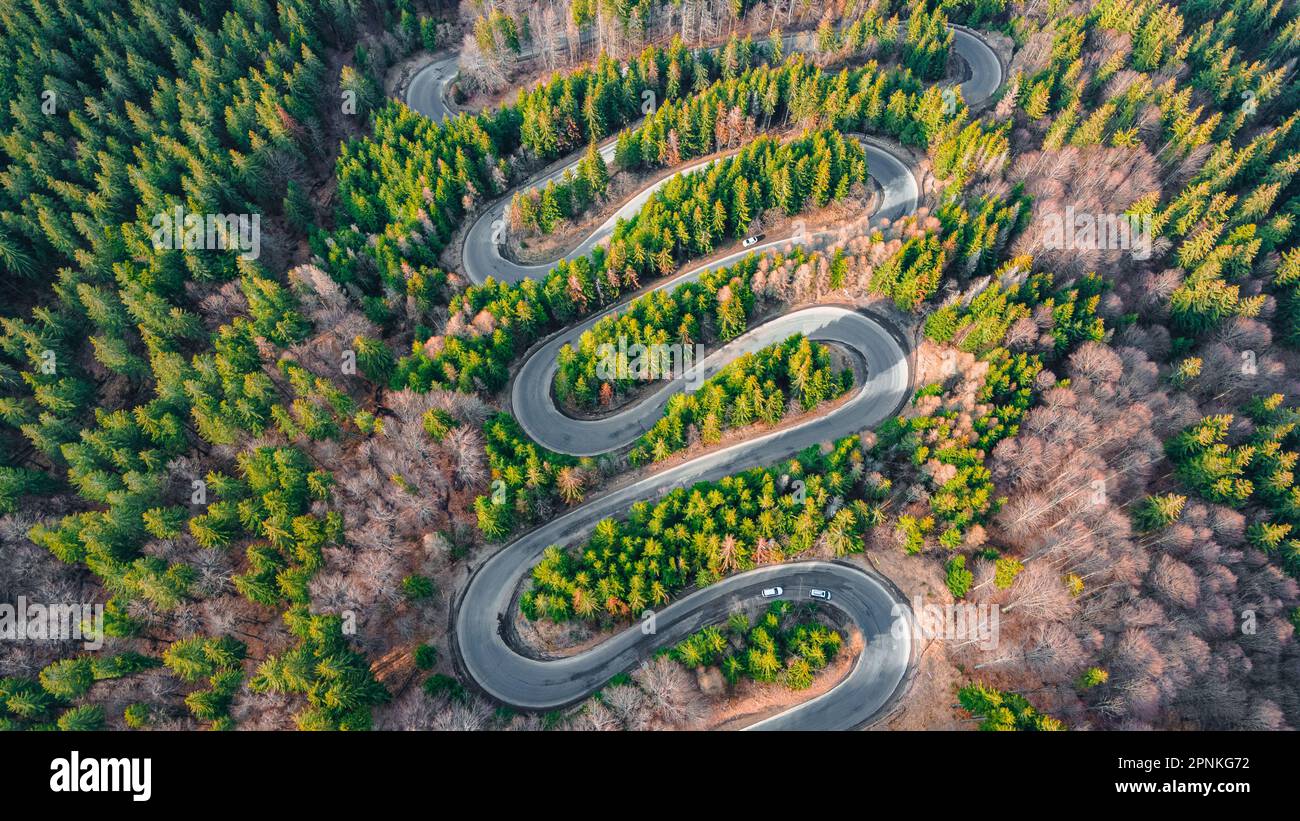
(688, 314)
(780, 645)
(500, 320)
(691, 537)
(752, 388)
(273, 471)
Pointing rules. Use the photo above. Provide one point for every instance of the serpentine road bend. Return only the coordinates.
(427, 91)
(482, 256)
(488, 603)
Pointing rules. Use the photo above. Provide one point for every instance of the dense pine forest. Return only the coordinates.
(258, 422)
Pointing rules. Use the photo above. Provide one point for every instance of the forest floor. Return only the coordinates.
(929, 703)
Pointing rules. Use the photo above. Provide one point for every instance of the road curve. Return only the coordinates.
(535, 408)
(986, 69)
(874, 604)
(427, 92)
(482, 256)
(488, 602)
(880, 675)
(531, 400)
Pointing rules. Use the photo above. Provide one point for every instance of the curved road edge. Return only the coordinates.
(883, 673)
(481, 251)
(486, 606)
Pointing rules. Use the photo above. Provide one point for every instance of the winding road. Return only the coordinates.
(881, 673)
(428, 89)
(427, 92)
(482, 257)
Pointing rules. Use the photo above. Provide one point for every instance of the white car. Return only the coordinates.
(751, 240)
(772, 592)
(818, 593)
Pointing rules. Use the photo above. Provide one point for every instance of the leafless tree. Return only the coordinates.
(628, 703)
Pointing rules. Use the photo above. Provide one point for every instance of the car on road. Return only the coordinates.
(772, 592)
(818, 593)
(751, 240)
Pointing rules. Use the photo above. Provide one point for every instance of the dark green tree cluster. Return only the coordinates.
(220, 661)
(319, 408)
(591, 103)
(912, 275)
(271, 500)
(976, 13)
(123, 112)
(1156, 29)
(689, 314)
(49, 701)
(227, 393)
(695, 213)
(1054, 86)
(729, 112)
(16, 482)
(1257, 475)
(981, 325)
(971, 238)
(958, 577)
(1158, 511)
(977, 232)
(420, 28)
(402, 192)
(1225, 223)
(527, 480)
(149, 141)
(1003, 711)
(122, 462)
(976, 147)
(494, 30)
(139, 109)
(339, 685)
(1286, 284)
(927, 41)
(785, 644)
(757, 387)
(540, 210)
(696, 536)
(690, 216)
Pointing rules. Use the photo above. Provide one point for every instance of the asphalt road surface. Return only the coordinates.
(533, 406)
(427, 92)
(986, 70)
(875, 680)
(881, 674)
(482, 256)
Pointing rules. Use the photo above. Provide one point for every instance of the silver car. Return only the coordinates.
(818, 593)
(772, 592)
